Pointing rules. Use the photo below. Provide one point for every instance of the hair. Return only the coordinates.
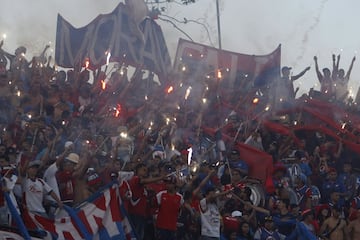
(140, 165)
(5, 157)
(286, 201)
(248, 236)
(209, 189)
(247, 191)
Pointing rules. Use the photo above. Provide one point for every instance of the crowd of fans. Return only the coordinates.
(65, 138)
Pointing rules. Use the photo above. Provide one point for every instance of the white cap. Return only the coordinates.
(68, 144)
(73, 157)
(236, 214)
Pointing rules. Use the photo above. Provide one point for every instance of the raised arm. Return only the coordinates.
(203, 182)
(293, 78)
(318, 73)
(335, 66)
(347, 77)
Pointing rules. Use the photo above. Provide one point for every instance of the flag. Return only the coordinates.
(101, 217)
(116, 33)
(260, 163)
(239, 71)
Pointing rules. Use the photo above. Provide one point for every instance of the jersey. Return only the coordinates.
(34, 191)
(210, 219)
(169, 208)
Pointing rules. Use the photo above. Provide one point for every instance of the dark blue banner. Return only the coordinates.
(117, 33)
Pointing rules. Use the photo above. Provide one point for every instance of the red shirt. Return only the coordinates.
(125, 194)
(66, 184)
(154, 189)
(138, 202)
(169, 207)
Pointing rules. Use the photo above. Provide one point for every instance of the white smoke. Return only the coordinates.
(309, 30)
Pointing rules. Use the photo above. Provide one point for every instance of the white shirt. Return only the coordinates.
(34, 192)
(210, 219)
(341, 88)
(50, 179)
(10, 184)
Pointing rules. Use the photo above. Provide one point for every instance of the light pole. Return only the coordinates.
(218, 23)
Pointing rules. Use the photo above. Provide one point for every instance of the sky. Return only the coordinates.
(304, 28)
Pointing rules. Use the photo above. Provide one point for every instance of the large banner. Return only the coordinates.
(99, 218)
(140, 46)
(240, 71)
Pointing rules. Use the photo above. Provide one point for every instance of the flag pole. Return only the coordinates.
(218, 23)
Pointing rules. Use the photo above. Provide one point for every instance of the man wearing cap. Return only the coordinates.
(210, 215)
(66, 177)
(289, 80)
(235, 162)
(306, 229)
(332, 184)
(303, 192)
(348, 179)
(267, 231)
(284, 88)
(34, 189)
(50, 172)
(284, 220)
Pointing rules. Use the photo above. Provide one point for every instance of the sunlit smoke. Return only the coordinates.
(309, 30)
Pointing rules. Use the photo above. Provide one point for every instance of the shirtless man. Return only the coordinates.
(353, 229)
(336, 223)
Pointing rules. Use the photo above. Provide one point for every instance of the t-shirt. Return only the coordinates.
(138, 202)
(264, 234)
(34, 191)
(66, 185)
(210, 219)
(169, 207)
(50, 179)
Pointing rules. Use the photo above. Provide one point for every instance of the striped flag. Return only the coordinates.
(98, 218)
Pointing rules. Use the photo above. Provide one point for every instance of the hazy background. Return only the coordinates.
(304, 28)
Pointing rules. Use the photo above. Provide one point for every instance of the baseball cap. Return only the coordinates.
(35, 163)
(286, 68)
(68, 144)
(73, 157)
(236, 213)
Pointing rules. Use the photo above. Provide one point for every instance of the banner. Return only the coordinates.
(100, 218)
(239, 71)
(260, 163)
(118, 34)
